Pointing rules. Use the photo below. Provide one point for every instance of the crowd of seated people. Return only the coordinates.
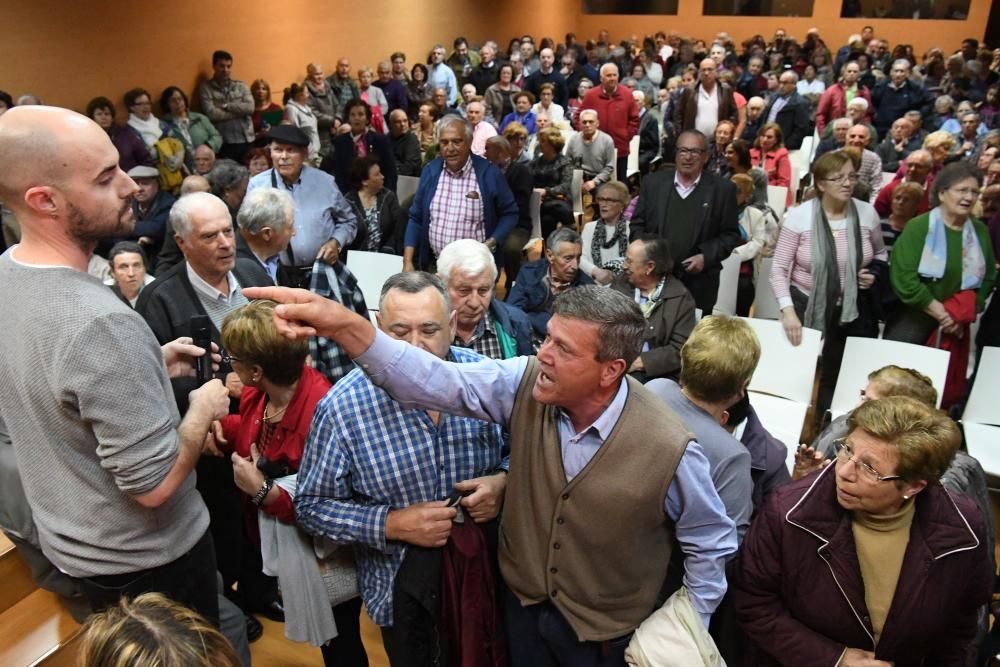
(331, 482)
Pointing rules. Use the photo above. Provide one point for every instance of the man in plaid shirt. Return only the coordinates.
(374, 474)
(461, 196)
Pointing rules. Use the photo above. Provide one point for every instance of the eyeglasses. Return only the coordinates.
(844, 178)
(608, 200)
(963, 192)
(690, 151)
(226, 359)
(845, 453)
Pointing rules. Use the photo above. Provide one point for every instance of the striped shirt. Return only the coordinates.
(367, 455)
(793, 254)
(456, 210)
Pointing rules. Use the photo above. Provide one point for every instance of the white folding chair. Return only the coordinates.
(576, 190)
(785, 370)
(980, 407)
(765, 304)
(372, 269)
(796, 179)
(633, 156)
(535, 206)
(864, 355)
(783, 419)
(406, 187)
(728, 283)
(777, 197)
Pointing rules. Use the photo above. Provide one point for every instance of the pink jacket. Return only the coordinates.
(778, 167)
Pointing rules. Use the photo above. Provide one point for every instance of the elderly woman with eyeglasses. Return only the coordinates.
(943, 269)
(606, 239)
(820, 273)
(870, 562)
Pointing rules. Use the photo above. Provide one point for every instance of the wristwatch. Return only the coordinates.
(262, 493)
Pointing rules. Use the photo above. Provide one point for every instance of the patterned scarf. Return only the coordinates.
(601, 240)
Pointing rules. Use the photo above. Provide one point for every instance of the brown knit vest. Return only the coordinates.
(598, 546)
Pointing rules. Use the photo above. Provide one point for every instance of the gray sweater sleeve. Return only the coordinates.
(131, 410)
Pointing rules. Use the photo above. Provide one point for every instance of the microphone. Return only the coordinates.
(201, 334)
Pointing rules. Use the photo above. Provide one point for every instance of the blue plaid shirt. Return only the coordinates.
(366, 455)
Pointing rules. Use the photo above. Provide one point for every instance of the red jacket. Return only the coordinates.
(833, 105)
(289, 439)
(799, 595)
(617, 114)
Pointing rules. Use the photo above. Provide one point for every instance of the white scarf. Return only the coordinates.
(149, 130)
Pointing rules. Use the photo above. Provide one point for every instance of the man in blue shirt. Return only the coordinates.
(324, 221)
(375, 473)
(576, 393)
(439, 75)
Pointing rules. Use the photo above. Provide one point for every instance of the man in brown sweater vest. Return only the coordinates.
(604, 478)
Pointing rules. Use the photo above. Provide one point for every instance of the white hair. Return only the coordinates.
(265, 207)
(860, 102)
(468, 257)
(182, 212)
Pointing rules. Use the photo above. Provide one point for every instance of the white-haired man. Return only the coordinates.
(482, 322)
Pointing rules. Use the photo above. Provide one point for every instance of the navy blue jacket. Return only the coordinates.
(499, 208)
(532, 296)
(891, 104)
(515, 323)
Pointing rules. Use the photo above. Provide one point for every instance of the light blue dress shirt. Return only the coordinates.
(321, 212)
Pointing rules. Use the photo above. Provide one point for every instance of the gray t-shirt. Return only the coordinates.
(728, 458)
(92, 417)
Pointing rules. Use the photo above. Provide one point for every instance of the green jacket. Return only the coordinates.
(201, 129)
(918, 292)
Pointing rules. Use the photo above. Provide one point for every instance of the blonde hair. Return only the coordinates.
(925, 438)
(249, 334)
(719, 358)
(153, 631)
(939, 138)
(553, 136)
(515, 129)
(895, 380)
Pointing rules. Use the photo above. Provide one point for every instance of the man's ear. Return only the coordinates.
(613, 371)
(45, 201)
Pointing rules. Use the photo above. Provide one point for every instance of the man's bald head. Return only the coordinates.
(56, 164)
(195, 183)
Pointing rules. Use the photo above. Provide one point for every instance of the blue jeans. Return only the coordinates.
(541, 637)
